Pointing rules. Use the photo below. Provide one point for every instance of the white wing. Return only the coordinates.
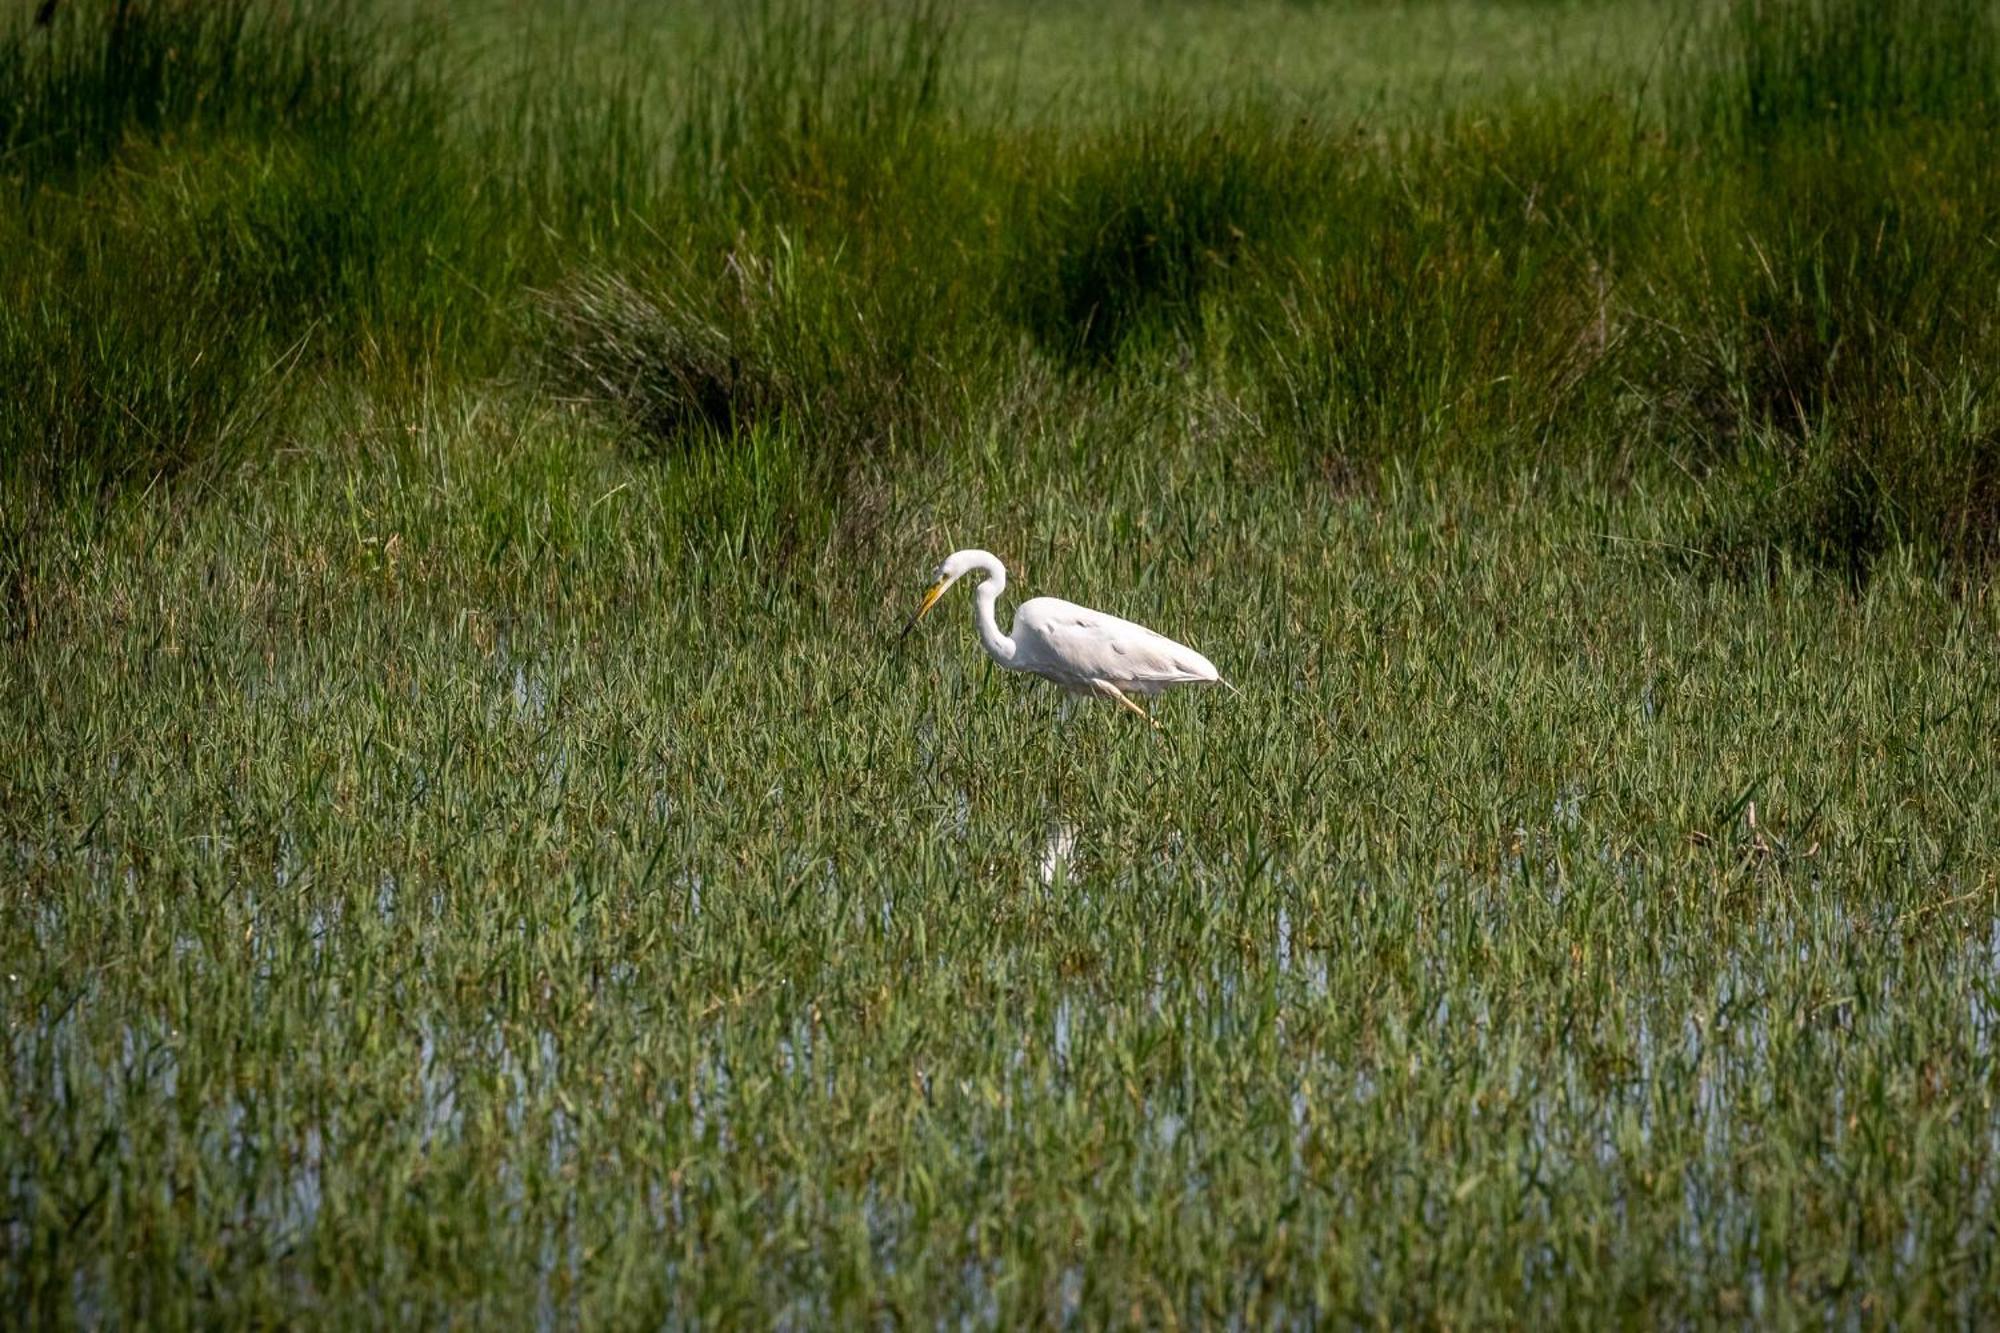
(1075, 644)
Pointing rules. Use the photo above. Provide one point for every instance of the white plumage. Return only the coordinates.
(1084, 651)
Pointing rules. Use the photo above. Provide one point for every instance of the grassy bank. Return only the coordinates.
(1763, 254)
(480, 856)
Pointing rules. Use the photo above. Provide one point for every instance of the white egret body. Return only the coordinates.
(1084, 651)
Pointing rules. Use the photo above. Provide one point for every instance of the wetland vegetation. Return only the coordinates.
(474, 853)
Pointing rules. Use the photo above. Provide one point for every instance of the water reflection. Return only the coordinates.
(1058, 857)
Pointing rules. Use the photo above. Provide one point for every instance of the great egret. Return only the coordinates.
(1084, 651)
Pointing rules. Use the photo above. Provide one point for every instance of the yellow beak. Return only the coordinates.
(930, 600)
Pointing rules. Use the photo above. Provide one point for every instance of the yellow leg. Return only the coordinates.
(1105, 687)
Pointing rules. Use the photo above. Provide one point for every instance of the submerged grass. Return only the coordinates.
(479, 856)
(441, 892)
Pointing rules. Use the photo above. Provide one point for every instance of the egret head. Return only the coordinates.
(955, 567)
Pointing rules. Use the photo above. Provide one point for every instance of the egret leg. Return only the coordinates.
(1105, 687)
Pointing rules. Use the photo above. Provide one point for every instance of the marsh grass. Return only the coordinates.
(1136, 232)
(588, 909)
(795, 102)
(477, 851)
(818, 218)
(75, 92)
(670, 372)
(1771, 68)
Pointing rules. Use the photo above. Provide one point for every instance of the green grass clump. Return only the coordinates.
(1779, 66)
(99, 393)
(670, 372)
(1134, 233)
(847, 363)
(1832, 332)
(205, 196)
(1460, 300)
(105, 73)
(801, 104)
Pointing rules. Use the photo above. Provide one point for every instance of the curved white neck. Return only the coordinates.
(984, 598)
